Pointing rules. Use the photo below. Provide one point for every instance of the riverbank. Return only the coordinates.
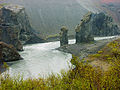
(84, 49)
(47, 57)
(82, 77)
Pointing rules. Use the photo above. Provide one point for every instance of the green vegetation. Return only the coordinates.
(52, 36)
(83, 77)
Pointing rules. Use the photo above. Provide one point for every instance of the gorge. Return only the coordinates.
(43, 58)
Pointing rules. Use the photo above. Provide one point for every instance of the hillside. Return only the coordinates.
(48, 16)
(112, 8)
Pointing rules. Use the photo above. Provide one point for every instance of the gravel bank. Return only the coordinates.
(84, 49)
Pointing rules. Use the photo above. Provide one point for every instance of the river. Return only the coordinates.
(42, 59)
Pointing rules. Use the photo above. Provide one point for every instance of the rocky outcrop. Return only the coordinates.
(8, 53)
(64, 36)
(95, 25)
(83, 30)
(103, 25)
(9, 34)
(15, 27)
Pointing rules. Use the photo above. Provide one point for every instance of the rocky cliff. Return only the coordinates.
(8, 53)
(95, 25)
(15, 27)
(103, 25)
(83, 30)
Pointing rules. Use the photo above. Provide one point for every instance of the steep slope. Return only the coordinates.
(113, 9)
(47, 16)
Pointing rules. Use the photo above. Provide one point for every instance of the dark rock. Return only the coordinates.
(9, 35)
(8, 53)
(95, 25)
(63, 36)
(103, 25)
(15, 27)
(83, 30)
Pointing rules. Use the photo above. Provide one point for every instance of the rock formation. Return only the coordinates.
(15, 27)
(8, 53)
(95, 25)
(83, 30)
(63, 36)
(103, 25)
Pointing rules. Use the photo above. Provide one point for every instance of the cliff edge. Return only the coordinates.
(15, 27)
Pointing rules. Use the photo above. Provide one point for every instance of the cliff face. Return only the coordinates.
(95, 25)
(83, 30)
(103, 25)
(15, 27)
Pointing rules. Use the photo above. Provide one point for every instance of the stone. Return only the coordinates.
(64, 36)
(8, 53)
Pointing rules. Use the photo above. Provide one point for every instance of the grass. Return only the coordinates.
(52, 36)
(83, 77)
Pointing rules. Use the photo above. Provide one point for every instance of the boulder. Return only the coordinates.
(8, 53)
(64, 36)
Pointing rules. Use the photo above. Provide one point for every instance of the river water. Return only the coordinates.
(42, 59)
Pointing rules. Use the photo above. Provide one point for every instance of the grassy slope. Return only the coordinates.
(85, 76)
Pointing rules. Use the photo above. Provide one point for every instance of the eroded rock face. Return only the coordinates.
(9, 35)
(104, 25)
(15, 27)
(83, 30)
(8, 53)
(95, 25)
(64, 36)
